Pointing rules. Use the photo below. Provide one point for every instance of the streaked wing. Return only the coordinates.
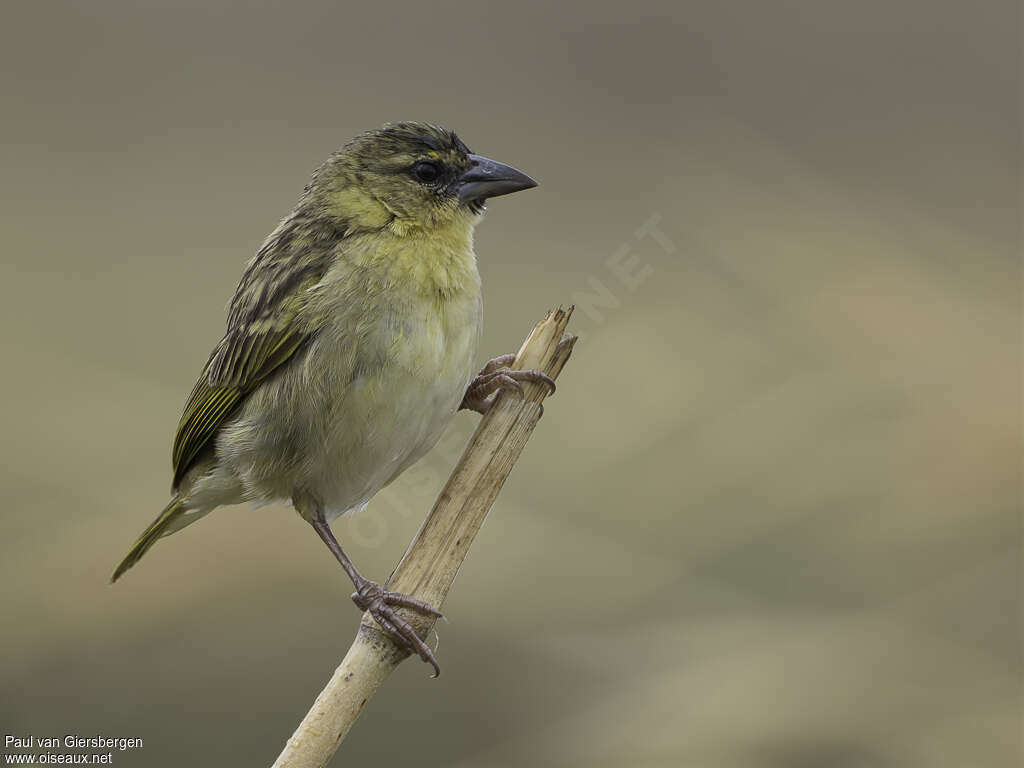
(210, 405)
(265, 327)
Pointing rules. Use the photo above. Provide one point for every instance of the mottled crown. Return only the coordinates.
(405, 138)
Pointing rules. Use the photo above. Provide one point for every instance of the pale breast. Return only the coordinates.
(374, 388)
(407, 381)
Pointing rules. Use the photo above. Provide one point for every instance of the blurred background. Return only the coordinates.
(772, 517)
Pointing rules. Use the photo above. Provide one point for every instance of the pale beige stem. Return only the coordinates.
(432, 560)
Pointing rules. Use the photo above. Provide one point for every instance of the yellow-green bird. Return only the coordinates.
(349, 346)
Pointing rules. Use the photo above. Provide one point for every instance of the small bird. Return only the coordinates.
(349, 347)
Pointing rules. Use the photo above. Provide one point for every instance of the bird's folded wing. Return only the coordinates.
(255, 344)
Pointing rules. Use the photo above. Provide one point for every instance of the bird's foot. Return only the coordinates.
(370, 596)
(496, 376)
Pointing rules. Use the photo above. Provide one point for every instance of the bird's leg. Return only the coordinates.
(496, 376)
(370, 596)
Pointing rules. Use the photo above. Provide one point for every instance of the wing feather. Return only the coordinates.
(266, 326)
(211, 403)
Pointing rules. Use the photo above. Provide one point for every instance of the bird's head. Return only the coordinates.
(409, 175)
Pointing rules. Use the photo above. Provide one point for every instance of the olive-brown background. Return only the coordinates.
(770, 520)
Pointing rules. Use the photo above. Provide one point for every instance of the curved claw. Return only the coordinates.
(504, 380)
(494, 364)
(381, 604)
(540, 377)
(400, 631)
(407, 601)
(496, 376)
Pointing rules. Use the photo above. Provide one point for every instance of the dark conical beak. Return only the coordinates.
(489, 178)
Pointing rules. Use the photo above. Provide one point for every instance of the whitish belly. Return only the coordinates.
(344, 421)
(390, 416)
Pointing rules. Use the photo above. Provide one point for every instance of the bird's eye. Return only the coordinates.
(425, 171)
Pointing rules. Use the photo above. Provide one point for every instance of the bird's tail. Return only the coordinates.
(166, 522)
